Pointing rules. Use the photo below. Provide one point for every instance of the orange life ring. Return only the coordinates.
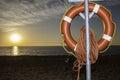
(102, 12)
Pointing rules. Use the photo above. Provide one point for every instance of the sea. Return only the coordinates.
(46, 51)
(32, 51)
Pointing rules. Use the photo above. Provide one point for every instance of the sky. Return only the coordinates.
(38, 21)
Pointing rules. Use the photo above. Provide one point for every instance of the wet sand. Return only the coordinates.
(56, 68)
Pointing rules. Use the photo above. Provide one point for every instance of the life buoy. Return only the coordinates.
(102, 12)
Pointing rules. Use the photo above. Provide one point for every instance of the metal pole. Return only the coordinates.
(88, 65)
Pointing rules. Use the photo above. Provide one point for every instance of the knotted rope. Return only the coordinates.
(81, 50)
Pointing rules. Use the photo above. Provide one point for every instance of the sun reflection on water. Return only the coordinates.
(15, 50)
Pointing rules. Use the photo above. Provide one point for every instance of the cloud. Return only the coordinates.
(112, 2)
(7, 29)
(20, 12)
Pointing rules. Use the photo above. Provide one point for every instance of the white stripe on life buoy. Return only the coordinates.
(75, 48)
(68, 19)
(107, 37)
(96, 8)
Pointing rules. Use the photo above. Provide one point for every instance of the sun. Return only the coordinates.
(15, 38)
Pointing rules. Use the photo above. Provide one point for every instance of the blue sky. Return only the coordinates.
(38, 21)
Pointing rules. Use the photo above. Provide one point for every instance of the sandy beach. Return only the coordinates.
(55, 68)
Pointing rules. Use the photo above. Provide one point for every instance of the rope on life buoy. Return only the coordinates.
(81, 50)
